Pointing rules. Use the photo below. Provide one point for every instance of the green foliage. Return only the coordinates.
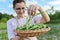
(4, 17)
(56, 15)
(0, 16)
(3, 26)
(55, 18)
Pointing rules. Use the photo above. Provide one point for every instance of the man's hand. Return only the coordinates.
(16, 38)
(31, 10)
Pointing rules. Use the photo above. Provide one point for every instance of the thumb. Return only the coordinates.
(15, 32)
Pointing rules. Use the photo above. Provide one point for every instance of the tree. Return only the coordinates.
(0, 15)
(3, 20)
(4, 17)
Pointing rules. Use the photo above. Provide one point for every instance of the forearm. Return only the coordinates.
(44, 14)
(15, 38)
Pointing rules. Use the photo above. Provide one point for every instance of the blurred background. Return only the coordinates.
(52, 7)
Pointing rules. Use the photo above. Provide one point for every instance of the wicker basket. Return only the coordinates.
(32, 33)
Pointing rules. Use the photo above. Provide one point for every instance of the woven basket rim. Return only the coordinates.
(33, 31)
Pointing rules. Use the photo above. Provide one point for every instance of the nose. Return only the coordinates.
(21, 10)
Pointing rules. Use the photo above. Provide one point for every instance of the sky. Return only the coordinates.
(7, 7)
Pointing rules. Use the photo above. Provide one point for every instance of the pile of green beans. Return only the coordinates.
(29, 26)
(32, 27)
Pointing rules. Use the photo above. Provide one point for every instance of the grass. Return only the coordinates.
(53, 34)
(3, 26)
(3, 35)
(3, 31)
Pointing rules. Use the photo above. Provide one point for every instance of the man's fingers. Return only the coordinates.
(29, 11)
(32, 10)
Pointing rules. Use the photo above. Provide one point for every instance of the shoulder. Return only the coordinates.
(12, 23)
(11, 20)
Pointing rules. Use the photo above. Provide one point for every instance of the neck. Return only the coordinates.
(20, 16)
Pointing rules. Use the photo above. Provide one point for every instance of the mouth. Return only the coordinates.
(20, 13)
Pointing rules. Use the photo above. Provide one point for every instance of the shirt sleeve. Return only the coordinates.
(37, 19)
(10, 30)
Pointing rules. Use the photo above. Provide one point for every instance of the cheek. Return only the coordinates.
(23, 11)
(17, 12)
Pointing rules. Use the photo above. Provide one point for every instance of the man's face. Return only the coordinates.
(20, 8)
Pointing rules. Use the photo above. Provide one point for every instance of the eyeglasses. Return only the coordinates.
(20, 8)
